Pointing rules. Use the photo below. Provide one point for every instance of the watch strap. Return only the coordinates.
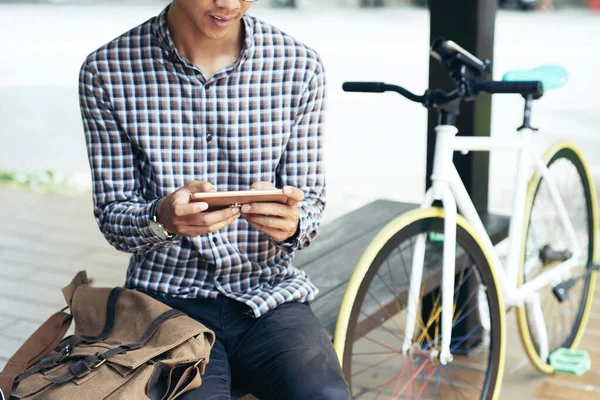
(153, 218)
(153, 209)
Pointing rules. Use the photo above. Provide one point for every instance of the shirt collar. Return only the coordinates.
(161, 31)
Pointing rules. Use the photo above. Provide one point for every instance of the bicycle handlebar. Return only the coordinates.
(380, 87)
(364, 87)
(524, 88)
(534, 88)
(468, 71)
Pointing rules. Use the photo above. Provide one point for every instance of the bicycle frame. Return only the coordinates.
(448, 187)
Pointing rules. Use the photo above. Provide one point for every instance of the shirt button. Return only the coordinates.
(207, 86)
(214, 239)
(208, 138)
(219, 279)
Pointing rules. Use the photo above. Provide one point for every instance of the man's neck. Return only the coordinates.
(203, 51)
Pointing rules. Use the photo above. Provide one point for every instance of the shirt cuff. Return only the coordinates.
(143, 219)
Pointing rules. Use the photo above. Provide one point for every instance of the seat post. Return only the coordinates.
(527, 114)
(448, 113)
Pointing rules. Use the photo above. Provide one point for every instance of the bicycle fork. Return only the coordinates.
(439, 190)
(447, 288)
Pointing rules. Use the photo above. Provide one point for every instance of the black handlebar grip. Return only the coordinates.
(364, 87)
(526, 87)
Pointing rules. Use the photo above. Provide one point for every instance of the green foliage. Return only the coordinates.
(45, 181)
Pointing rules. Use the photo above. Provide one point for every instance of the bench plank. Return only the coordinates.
(342, 231)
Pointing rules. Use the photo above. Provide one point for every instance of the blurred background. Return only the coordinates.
(375, 144)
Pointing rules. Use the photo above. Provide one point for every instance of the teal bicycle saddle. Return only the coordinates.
(551, 76)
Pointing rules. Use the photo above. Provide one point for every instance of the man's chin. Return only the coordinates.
(217, 35)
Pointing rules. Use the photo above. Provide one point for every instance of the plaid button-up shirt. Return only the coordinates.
(153, 123)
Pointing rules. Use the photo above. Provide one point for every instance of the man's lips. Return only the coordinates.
(221, 21)
(222, 18)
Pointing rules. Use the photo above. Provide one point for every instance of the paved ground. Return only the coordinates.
(46, 238)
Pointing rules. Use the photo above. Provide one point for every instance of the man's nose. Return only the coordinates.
(228, 4)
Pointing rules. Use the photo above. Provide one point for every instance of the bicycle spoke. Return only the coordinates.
(411, 379)
(394, 295)
(377, 364)
(454, 324)
(370, 353)
(381, 344)
(463, 383)
(386, 384)
(436, 311)
(382, 307)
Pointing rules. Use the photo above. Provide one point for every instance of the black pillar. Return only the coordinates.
(471, 24)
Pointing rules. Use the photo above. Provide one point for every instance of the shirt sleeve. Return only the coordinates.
(302, 161)
(122, 212)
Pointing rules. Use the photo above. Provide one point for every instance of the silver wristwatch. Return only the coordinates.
(158, 228)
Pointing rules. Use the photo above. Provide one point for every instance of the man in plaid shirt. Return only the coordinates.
(202, 98)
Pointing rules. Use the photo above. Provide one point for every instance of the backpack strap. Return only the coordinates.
(62, 352)
(41, 342)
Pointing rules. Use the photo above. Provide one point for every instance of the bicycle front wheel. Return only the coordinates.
(546, 244)
(371, 324)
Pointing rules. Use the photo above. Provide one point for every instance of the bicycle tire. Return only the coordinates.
(567, 156)
(403, 228)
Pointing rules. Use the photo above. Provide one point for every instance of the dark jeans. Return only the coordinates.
(285, 354)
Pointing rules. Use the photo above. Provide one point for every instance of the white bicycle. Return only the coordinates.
(423, 315)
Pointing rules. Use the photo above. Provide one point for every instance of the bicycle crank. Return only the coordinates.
(561, 291)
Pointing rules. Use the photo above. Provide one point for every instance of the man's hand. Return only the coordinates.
(280, 221)
(182, 217)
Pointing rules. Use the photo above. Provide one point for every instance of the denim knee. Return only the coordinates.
(320, 390)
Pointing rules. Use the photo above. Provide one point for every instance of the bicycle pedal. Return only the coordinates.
(574, 362)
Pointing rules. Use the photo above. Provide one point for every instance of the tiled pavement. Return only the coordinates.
(46, 238)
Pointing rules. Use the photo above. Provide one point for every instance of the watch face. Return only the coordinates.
(158, 230)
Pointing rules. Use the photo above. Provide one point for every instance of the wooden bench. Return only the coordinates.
(331, 259)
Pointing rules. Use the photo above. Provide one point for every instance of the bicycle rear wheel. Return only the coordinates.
(369, 333)
(565, 321)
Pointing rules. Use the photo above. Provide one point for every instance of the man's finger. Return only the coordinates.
(199, 186)
(223, 224)
(215, 226)
(182, 195)
(213, 217)
(194, 228)
(271, 222)
(294, 195)
(275, 233)
(182, 210)
(277, 209)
